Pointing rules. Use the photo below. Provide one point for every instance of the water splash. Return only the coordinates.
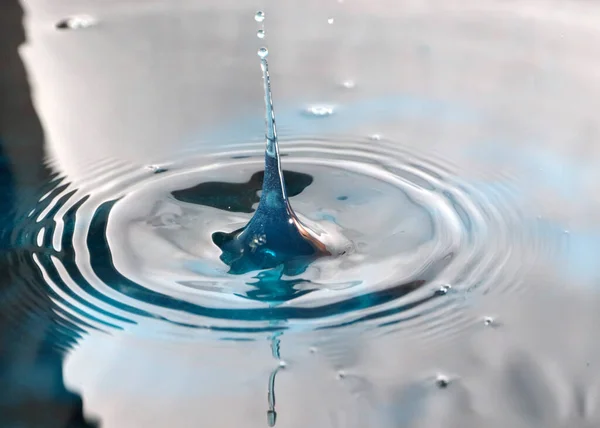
(274, 236)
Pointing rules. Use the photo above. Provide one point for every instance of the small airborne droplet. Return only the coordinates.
(442, 381)
(312, 350)
(263, 52)
(260, 34)
(375, 137)
(341, 375)
(282, 364)
(260, 16)
(488, 321)
(348, 84)
(330, 21)
(75, 22)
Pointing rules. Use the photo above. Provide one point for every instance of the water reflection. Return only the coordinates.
(32, 338)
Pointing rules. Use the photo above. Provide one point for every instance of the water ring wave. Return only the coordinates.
(118, 251)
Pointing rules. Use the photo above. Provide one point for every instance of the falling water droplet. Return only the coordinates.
(271, 418)
(375, 137)
(488, 321)
(330, 21)
(312, 350)
(260, 34)
(260, 16)
(442, 381)
(75, 22)
(341, 375)
(282, 364)
(348, 84)
(263, 52)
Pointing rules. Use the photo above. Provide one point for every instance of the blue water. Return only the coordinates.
(182, 295)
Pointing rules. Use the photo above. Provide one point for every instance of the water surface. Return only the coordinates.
(460, 164)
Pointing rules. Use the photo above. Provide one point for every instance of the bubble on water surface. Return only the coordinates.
(320, 110)
(76, 22)
(442, 381)
(157, 169)
(444, 289)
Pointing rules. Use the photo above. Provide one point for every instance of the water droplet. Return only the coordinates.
(375, 137)
(75, 22)
(312, 350)
(282, 364)
(156, 169)
(566, 231)
(442, 381)
(260, 34)
(348, 84)
(320, 111)
(271, 418)
(260, 16)
(341, 375)
(444, 289)
(263, 52)
(488, 321)
(330, 21)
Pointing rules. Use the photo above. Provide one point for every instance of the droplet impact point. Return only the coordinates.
(274, 241)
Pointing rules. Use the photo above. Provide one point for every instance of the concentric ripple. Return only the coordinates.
(131, 246)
